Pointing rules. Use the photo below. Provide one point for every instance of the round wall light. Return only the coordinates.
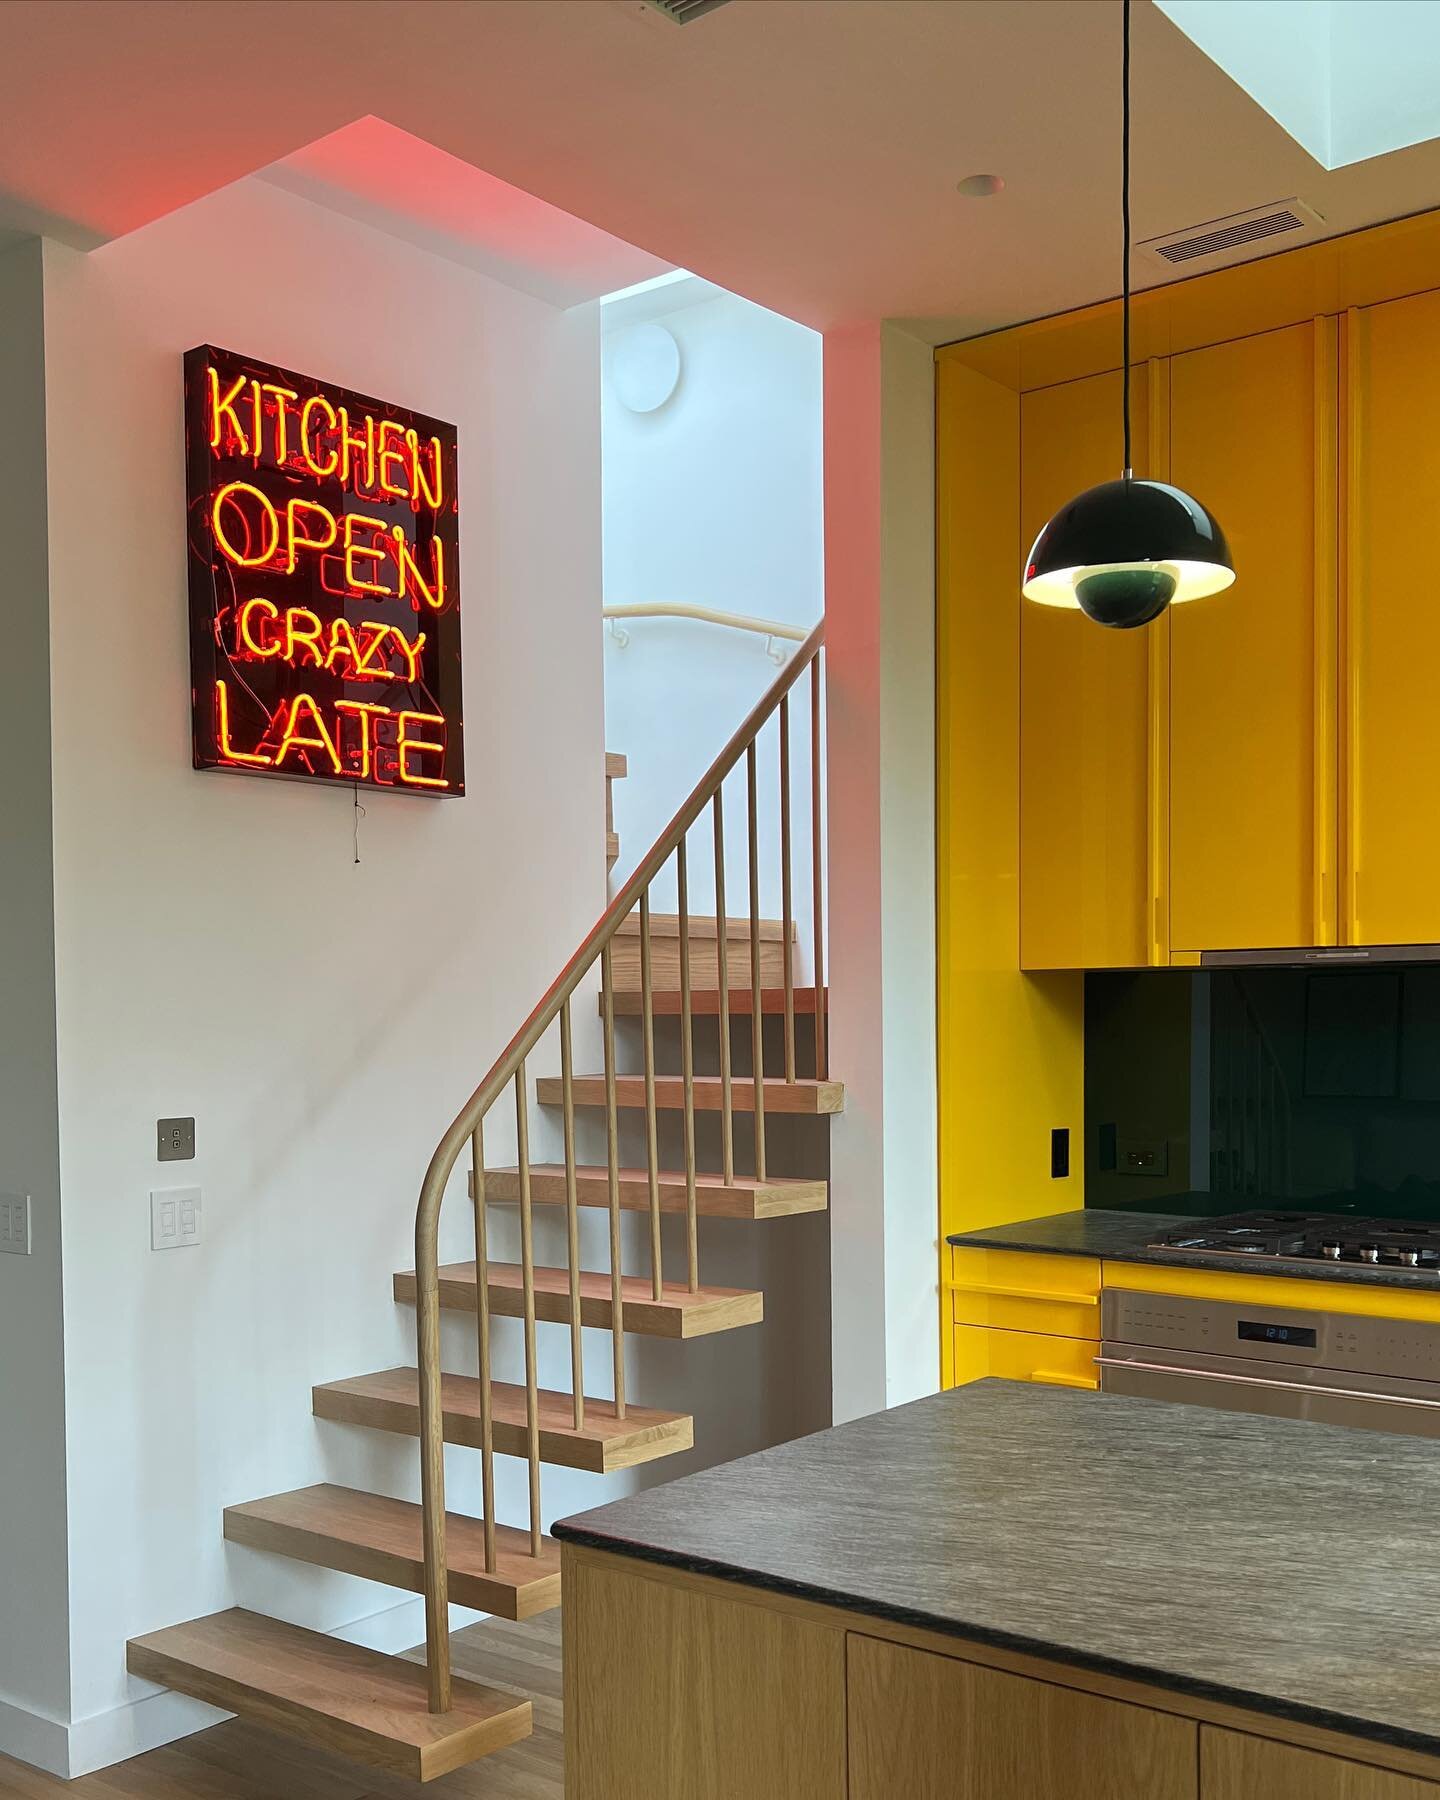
(643, 363)
(980, 187)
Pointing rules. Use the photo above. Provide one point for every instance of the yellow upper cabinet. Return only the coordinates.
(1252, 788)
(1083, 697)
(1391, 891)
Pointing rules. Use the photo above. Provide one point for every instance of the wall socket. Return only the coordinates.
(175, 1218)
(175, 1140)
(14, 1224)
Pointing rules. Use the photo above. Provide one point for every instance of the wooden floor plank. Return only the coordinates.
(746, 1197)
(389, 1401)
(371, 1707)
(380, 1539)
(677, 1314)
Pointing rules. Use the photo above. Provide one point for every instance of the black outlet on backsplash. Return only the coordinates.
(1238, 1088)
(1059, 1152)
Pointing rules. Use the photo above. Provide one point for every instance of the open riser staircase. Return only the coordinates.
(726, 987)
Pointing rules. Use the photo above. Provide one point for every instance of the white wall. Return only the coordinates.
(714, 499)
(880, 612)
(220, 954)
(34, 1648)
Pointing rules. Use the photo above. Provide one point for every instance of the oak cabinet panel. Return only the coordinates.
(1236, 1767)
(931, 1728)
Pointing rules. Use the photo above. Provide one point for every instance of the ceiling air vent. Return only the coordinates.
(684, 11)
(1226, 239)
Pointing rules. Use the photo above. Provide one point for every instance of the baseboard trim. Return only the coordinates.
(34, 1737)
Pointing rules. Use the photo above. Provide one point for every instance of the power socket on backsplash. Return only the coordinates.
(1142, 1155)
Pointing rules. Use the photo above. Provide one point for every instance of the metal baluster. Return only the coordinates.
(722, 965)
(482, 1334)
(757, 997)
(572, 1219)
(787, 911)
(652, 1154)
(612, 1136)
(687, 1069)
(527, 1275)
(432, 1470)
(822, 1052)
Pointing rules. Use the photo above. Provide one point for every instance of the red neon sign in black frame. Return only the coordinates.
(324, 581)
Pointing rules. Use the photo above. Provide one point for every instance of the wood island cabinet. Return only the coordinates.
(935, 1728)
(683, 1687)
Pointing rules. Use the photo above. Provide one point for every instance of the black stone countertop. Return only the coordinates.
(1126, 1236)
(1275, 1564)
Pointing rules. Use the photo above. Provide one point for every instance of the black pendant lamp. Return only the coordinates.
(1124, 551)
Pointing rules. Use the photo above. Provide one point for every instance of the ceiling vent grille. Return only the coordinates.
(1222, 239)
(684, 12)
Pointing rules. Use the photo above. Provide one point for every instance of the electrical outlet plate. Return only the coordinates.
(175, 1218)
(1143, 1155)
(15, 1224)
(175, 1140)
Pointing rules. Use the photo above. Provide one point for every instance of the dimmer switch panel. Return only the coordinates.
(174, 1218)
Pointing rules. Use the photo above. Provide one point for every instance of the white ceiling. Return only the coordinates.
(801, 152)
(1348, 79)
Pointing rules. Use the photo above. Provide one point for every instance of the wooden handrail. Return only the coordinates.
(707, 615)
(509, 1068)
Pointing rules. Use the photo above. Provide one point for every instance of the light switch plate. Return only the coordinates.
(15, 1224)
(175, 1218)
(175, 1140)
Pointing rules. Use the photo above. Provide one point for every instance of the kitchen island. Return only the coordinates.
(1012, 1592)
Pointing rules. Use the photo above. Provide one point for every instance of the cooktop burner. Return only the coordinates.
(1313, 1237)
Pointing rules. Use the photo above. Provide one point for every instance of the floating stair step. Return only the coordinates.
(746, 1197)
(704, 952)
(617, 765)
(380, 1539)
(372, 1707)
(679, 1314)
(705, 1002)
(780, 1096)
(390, 1401)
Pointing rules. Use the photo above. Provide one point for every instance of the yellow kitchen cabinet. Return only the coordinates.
(1021, 1290)
(1391, 623)
(1084, 889)
(1024, 1356)
(1252, 766)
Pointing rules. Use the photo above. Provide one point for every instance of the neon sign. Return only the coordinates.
(324, 581)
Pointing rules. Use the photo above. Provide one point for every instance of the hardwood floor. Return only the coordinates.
(236, 1761)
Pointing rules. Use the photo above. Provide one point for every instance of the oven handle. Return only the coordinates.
(1292, 1387)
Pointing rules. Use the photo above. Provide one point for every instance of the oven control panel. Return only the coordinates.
(1404, 1348)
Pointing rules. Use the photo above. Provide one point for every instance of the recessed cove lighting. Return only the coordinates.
(979, 187)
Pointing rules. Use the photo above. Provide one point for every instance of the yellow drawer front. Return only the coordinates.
(1056, 1295)
(1275, 1290)
(1024, 1356)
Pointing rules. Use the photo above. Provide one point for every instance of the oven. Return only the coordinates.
(1338, 1368)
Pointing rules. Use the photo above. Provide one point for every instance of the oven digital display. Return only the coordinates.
(1257, 1331)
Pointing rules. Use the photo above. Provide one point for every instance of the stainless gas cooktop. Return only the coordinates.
(1313, 1237)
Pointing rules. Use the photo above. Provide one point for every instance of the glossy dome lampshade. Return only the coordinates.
(1124, 551)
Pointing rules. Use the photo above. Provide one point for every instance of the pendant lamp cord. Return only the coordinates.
(1125, 215)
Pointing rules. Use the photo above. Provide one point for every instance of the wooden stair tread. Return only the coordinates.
(380, 1539)
(705, 1002)
(705, 927)
(617, 765)
(746, 1197)
(781, 1096)
(390, 1401)
(358, 1702)
(678, 1314)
